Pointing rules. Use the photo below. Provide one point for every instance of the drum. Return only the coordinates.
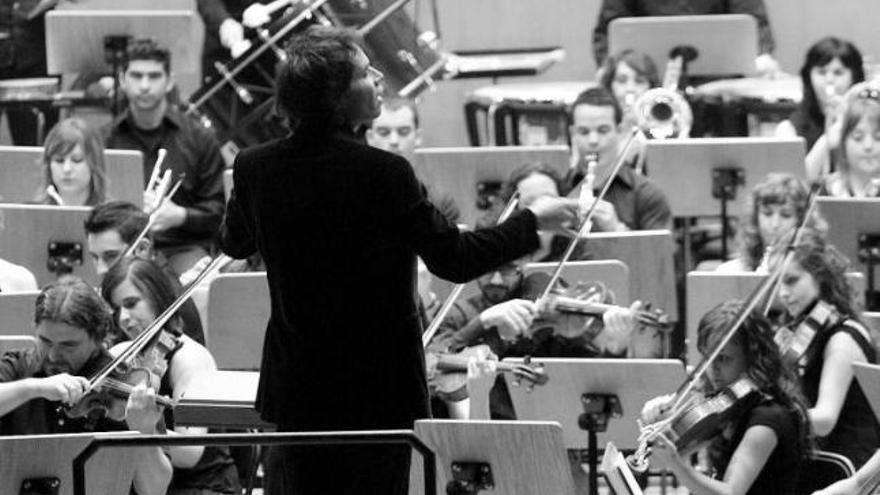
(531, 114)
(764, 101)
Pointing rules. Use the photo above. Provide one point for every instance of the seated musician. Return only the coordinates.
(760, 450)
(71, 320)
(857, 164)
(832, 65)
(633, 202)
(111, 228)
(185, 225)
(627, 75)
(775, 208)
(73, 165)
(815, 292)
(138, 291)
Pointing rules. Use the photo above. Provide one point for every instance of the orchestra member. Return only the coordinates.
(858, 165)
(628, 75)
(613, 9)
(185, 225)
(111, 228)
(139, 291)
(775, 208)
(762, 448)
(73, 165)
(633, 202)
(814, 291)
(325, 181)
(71, 321)
(831, 67)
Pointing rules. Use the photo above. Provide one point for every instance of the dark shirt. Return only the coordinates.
(856, 433)
(806, 126)
(191, 150)
(779, 475)
(612, 9)
(22, 42)
(41, 416)
(213, 13)
(638, 201)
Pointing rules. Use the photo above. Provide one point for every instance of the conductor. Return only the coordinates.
(339, 225)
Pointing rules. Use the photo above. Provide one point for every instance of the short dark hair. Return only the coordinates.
(598, 97)
(822, 53)
(311, 83)
(147, 49)
(121, 216)
(71, 301)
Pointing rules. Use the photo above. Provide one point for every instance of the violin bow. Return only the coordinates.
(150, 221)
(509, 208)
(141, 341)
(587, 223)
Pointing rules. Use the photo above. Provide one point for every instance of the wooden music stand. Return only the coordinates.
(705, 290)
(457, 171)
(712, 36)
(238, 310)
(523, 458)
(33, 457)
(17, 313)
(28, 233)
(75, 38)
(613, 273)
(21, 174)
(221, 399)
(602, 396)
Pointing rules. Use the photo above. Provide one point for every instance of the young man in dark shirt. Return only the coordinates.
(184, 227)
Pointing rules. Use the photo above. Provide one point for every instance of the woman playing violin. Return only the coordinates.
(839, 412)
(71, 322)
(760, 450)
(138, 291)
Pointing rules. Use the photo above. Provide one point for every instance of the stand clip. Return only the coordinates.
(469, 478)
(40, 486)
(598, 409)
(63, 256)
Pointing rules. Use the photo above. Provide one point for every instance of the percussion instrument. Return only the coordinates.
(767, 101)
(531, 114)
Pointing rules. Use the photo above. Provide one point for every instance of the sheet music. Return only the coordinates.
(617, 472)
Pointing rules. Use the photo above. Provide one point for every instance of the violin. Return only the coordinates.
(793, 344)
(449, 371)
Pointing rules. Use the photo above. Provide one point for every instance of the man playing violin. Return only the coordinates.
(71, 322)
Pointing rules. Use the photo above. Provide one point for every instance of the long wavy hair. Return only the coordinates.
(777, 189)
(763, 362)
(157, 288)
(828, 268)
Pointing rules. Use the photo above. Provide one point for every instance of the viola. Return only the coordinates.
(793, 344)
(450, 378)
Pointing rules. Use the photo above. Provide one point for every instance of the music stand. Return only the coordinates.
(854, 228)
(714, 170)
(711, 35)
(509, 457)
(586, 393)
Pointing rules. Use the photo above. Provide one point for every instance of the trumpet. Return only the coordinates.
(663, 112)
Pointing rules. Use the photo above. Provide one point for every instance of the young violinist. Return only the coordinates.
(817, 297)
(71, 321)
(138, 291)
(760, 450)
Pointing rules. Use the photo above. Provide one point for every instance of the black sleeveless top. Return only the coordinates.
(779, 475)
(856, 433)
(215, 470)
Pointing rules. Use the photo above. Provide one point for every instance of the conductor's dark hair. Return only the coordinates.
(73, 302)
(123, 217)
(311, 83)
(597, 97)
(147, 49)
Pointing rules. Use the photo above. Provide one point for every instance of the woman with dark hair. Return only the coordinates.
(628, 75)
(815, 292)
(138, 291)
(775, 208)
(73, 165)
(762, 449)
(831, 67)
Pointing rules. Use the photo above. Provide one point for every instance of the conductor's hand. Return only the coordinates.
(510, 318)
(62, 387)
(555, 214)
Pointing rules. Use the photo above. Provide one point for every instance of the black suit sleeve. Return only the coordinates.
(448, 253)
(213, 14)
(237, 237)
